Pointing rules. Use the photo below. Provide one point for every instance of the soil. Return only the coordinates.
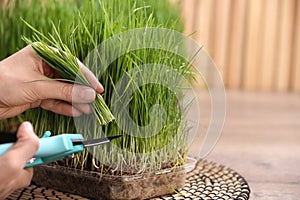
(96, 186)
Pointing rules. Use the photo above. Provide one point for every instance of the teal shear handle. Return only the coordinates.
(51, 148)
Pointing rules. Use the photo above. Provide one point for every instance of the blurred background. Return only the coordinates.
(254, 43)
(256, 46)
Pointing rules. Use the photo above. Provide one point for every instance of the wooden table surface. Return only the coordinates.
(261, 141)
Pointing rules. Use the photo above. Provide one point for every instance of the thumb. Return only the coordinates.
(14, 160)
(25, 147)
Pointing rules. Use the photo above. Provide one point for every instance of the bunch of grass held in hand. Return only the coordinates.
(63, 61)
(41, 14)
(147, 150)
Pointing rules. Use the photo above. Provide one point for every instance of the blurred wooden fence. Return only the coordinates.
(255, 43)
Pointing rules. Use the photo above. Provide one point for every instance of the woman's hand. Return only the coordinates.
(13, 175)
(24, 85)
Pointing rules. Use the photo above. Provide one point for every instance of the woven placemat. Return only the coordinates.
(208, 181)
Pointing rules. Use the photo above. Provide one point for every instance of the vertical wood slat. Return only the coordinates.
(296, 52)
(285, 43)
(220, 35)
(261, 50)
(253, 45)
(191, 18)
(188, 15)
(203, 24)
(236, 44)
(270, 47)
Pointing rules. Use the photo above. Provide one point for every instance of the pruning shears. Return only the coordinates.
(59, 147)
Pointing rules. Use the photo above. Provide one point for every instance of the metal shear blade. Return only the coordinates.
(94, 142)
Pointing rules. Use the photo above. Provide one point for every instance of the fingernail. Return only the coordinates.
(100, 88)
(28, 126)
(88, 95)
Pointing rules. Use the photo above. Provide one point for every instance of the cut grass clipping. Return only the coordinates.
(61, 59)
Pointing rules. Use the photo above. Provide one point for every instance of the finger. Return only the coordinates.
(85, 108)
(14, 178)
(64, 91)
(24, 178)
(13, 111)
(90, 77)
(25, 147)
(60, 107)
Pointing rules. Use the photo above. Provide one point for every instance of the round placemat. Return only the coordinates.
(208, 180)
